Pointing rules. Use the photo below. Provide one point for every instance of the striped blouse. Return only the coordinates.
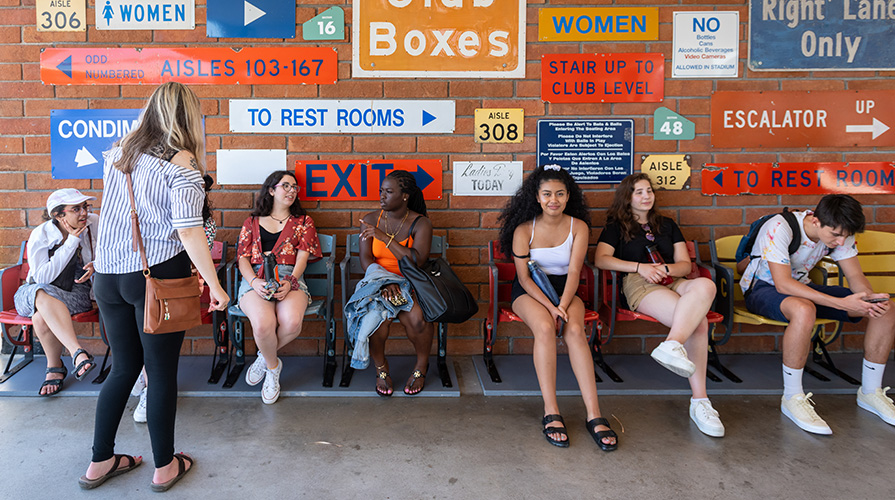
(168, 197)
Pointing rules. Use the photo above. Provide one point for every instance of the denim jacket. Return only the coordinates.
(366, 310)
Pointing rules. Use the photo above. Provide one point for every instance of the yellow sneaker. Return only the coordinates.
(877, 402)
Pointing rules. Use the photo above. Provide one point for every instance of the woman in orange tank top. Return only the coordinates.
(399, 229)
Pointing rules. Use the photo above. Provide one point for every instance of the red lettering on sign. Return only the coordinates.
(603, 77)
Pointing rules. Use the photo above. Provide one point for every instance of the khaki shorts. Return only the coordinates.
(636, 288)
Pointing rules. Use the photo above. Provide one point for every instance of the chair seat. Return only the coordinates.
(742, 315)
(507, 314)
(313, 308)
(12, 318)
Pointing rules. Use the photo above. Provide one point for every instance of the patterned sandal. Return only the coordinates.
(382, 374)
(416, 375)
(56, 382)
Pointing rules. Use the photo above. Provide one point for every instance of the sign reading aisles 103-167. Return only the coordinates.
(438, 38)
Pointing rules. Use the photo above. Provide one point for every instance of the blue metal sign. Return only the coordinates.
(250, 19)
(788, 35)
(78, 138)
(593, 151)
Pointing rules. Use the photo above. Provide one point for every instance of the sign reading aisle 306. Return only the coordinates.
(499, 125)
(61, 15)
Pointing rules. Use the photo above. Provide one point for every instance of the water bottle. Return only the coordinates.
(270, 274)
(656, 258)
(540, 278)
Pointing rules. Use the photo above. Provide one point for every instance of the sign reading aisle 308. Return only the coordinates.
(499, 125)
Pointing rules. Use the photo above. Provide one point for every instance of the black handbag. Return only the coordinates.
(439, 292)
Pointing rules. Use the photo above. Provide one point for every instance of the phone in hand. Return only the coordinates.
(875, 300)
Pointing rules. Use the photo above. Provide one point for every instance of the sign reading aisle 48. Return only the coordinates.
(61, 15)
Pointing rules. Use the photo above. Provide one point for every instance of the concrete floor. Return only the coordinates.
(474, 447)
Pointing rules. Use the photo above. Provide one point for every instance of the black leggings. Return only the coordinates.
(120, 298)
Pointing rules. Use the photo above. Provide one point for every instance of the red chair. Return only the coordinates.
(500, 279)
(220, 359)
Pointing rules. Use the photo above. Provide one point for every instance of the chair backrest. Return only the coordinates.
(876, 254)
(724, 252)
(506, 272)
(317, 273)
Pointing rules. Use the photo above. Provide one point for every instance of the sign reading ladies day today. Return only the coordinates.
(803, 35)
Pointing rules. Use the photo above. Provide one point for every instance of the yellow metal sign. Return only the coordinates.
(667, 171)
(598, 23)
(61, 15)
(499, 125)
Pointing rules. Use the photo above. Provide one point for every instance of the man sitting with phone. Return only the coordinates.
(776, 285)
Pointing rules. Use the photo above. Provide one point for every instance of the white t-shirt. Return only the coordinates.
(772, 244)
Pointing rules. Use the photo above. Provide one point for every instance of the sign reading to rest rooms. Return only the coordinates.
(438, 38)
(795, 119)
(598, 24)
(603, 77)
(354, 180)
(799, 178)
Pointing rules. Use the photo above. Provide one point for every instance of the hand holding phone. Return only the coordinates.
(875, 300)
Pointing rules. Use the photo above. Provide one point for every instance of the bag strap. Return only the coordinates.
(137, 244)
(413, 224)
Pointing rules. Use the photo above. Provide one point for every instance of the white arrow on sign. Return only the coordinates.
(877, 128)
(252, 13)
(84, 158)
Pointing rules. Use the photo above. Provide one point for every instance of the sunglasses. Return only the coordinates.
(78, 209)
(649, 232)
(288, 187)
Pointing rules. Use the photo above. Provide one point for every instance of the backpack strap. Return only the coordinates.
(796, 230)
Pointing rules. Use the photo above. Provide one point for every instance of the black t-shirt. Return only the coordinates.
(635, 250)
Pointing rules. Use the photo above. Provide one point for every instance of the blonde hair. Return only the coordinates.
(172, 117)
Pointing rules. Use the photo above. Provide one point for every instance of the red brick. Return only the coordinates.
(352, 89)
(11, 145)
(418, 89)
(254, 141)
(123, 37)
(320, 143)
(285, 91)
(436, 144)
(87, 91)
(384, 144)
(42, 107)
(12, 218)
(38, 145)
(30, 90)
(45, 181)
(463, 88)
(711, 216)
(24, 126)
(31, 35)
(10, 72)
(11, 108)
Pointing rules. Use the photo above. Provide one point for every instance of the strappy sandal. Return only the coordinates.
(382, 374)
(600, 435)
(416, 375)
(89, 484)
(78, 375)
(181, 471)
(56, 382)
(555, 430)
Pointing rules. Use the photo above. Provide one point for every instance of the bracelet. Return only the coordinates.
(638, 268)
(667, 271)
(252, 283)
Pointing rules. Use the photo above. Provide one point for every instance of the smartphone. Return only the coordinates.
(876, 300)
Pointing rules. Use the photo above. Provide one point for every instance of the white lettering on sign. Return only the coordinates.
(791, 118)
(487, 178)
(95, 128)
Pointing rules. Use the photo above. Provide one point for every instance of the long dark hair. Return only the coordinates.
(524, 206)
(620, 210)
(207, 207)
(407, 182)
(264, 200)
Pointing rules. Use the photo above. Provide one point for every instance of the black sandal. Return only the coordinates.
(181, 471)
(80, 366)
(382, 374)
(416, 375)
(555, 430)
(56, 382)
(600, 435)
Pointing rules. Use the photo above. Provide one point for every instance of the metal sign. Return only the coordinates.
(788, 35)
(499, 125)
(670, 126)
(487, 178)
(309, 116)
(78, 138)
(353, 180)
(248, 166)
(61, 15)
(799, 178)
(328, 25)
(706, 45)
(667, 171)
(796, 119)
(598, 24)
(593, 151)
(603, 77)
(145, 14)
(209, 65)
(250, 19)
(438, 39)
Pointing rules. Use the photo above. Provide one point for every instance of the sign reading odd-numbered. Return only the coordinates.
(799, 178)
(603, 77)
(250, 19)
(61, 15)
(487, 178)
(499, 125)
(438, 38)
(598, 23)
(78, 138)
(594, 151)
(706, 45)
(309, 116)
(145, 14)
(209, 65)
(801, 118)
(667, 171)
(354, 180)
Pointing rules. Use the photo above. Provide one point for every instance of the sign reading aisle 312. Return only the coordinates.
(61, 15)
(499, 125)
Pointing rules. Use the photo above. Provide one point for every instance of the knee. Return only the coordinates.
(544, 331)
(264, 326)
(802, 311)
(705, 288)
(291, 323)
(414, 322)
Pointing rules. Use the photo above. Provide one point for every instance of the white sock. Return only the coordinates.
(792, 382)
(872, 377)
(694, 401)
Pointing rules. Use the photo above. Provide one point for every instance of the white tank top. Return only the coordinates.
(553, 260)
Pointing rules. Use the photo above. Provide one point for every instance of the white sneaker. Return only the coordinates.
(800, 409)
(878, 403)
(672, 355)
(706, 418)
(270, 392)
(139, 385)
(255, 374)
(140, 410)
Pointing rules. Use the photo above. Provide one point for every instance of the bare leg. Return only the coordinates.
(52, 349)
(58, 320)
(377, 355)
(290, 317)
(801, 314)
(420, 334)
(262, 315)
(880, 336)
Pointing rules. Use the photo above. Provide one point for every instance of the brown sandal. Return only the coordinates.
(181, 471)
(89, 484)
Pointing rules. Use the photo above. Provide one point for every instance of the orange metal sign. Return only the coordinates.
(213, 65)
(803, 119)
(603, 77)
(354, 180)
(799, 178)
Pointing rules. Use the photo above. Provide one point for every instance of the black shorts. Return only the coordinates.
(557, 280)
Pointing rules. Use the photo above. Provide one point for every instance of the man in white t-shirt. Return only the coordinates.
(777, 286)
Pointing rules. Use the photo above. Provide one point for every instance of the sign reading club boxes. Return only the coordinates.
(438, 38)
(603, 77)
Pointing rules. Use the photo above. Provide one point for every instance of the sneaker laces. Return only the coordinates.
(707, 409)
(807, 405)
(679, 349)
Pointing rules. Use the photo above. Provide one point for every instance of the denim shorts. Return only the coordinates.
(764, 299)
(282, 271)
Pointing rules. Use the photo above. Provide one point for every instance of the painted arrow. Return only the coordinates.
(719, 179)
(65, 66)
(428, 117)
(423, 179)
(876, 129)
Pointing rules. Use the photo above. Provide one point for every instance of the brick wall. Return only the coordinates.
(468, 222)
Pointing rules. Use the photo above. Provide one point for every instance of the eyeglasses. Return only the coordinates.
(77, 209)
(288, 187)
(649, 232)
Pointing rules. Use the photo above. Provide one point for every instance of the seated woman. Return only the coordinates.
(399, 229)
(547, 221)
(279, 226)
(60, 256)
(633, 228)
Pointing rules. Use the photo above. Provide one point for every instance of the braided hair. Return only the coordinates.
(407, 182)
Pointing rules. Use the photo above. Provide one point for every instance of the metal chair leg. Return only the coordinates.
(28, 355)
(596, 352)
(823, 359)
(715, 362)
(488, 354)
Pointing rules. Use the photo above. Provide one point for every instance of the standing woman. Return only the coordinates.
(633, 224)
(547, 221)
(400, 228)
(279, 226)
(164, 155)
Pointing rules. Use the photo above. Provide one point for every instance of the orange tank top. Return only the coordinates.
(385, 258)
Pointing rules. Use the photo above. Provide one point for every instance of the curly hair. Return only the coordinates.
(524, 205)
(407, 182)
(264, 200)
(620, 210)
